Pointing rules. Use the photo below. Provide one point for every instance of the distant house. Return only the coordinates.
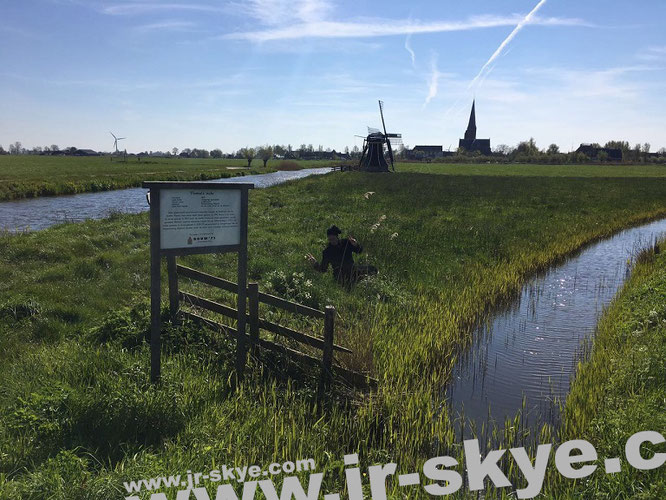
(426, 152)
(592, 152)
(86, 152)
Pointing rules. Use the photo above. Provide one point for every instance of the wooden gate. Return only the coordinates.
(327, 345)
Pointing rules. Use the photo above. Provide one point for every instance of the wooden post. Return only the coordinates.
(155, 286)
(174, 304)
(327, 358)
(241, 344)
(253, 299)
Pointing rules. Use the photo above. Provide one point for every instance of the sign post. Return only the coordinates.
(196, 218)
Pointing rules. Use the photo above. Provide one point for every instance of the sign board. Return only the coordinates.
(200, 218)
(189, 218)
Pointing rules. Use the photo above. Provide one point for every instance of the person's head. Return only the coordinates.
(332, 233)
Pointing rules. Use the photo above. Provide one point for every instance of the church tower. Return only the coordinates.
(470, 143)
(470, 133)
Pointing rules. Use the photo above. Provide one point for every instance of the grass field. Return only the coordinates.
(536, 170)
(31, 176)
(77, 416)
(28, 176)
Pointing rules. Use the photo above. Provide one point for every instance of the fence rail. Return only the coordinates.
(255, 298)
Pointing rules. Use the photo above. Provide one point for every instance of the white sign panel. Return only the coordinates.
(191, 218)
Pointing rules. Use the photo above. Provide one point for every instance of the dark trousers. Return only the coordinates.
(350, 275)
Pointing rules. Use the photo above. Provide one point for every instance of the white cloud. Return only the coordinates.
(653, 53)
(277, 12)
(388, 27)
(166, 26)
(133, 8)
(408, 48)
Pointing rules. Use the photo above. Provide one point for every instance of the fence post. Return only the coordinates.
(253, 298)
(327, 358)
(174, 303)
(155, 287)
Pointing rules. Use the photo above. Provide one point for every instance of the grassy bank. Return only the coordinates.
(29, 176)
(530, 170)
(78, 416)
(621, 389)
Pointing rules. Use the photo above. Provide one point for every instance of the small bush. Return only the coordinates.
(295, 287)
(288, 165)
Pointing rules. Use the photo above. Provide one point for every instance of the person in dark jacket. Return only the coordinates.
(339, 255)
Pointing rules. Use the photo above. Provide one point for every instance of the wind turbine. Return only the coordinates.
(115, 141)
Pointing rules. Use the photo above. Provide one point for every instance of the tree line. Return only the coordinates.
(263, 152)
(528, 152)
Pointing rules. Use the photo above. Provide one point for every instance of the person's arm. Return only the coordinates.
(356, 247)
(325, 261)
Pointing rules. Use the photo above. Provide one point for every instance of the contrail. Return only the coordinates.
(512, 35)
(433, 84)
(408, 48)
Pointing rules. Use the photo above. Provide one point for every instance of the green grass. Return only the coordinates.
(535, 170)
(77, 416)
(29, 176)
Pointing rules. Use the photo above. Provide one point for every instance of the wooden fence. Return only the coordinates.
(326, 344)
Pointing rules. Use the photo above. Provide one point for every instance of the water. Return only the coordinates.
(531, 349)
(39, 213)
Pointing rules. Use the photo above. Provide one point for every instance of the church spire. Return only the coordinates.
(470, 133)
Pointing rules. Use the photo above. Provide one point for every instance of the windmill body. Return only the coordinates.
(373, 159)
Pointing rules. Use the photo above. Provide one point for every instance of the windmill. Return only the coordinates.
(372, 159)
(115, 141)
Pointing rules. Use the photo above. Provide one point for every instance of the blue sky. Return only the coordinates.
(234, 73)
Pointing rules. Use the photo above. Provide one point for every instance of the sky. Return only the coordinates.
(229, 73)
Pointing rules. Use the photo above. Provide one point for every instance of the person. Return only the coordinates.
(339, 255)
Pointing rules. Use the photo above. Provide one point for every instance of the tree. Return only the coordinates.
(265, 153)
(602, 156)
(15, 149)
(248, 154)
(503, 149)
(347, 150)
(2, 151)
(55, 148)
(553, 149)
(662, 151)
(174, 151)
(279, 150)
(216, 153)
(646, 147)
(527, 147)
(623, 145)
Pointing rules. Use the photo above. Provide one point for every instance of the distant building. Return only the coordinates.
(428, 151)
(86, 152)
(592, 152)
(470, 143)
